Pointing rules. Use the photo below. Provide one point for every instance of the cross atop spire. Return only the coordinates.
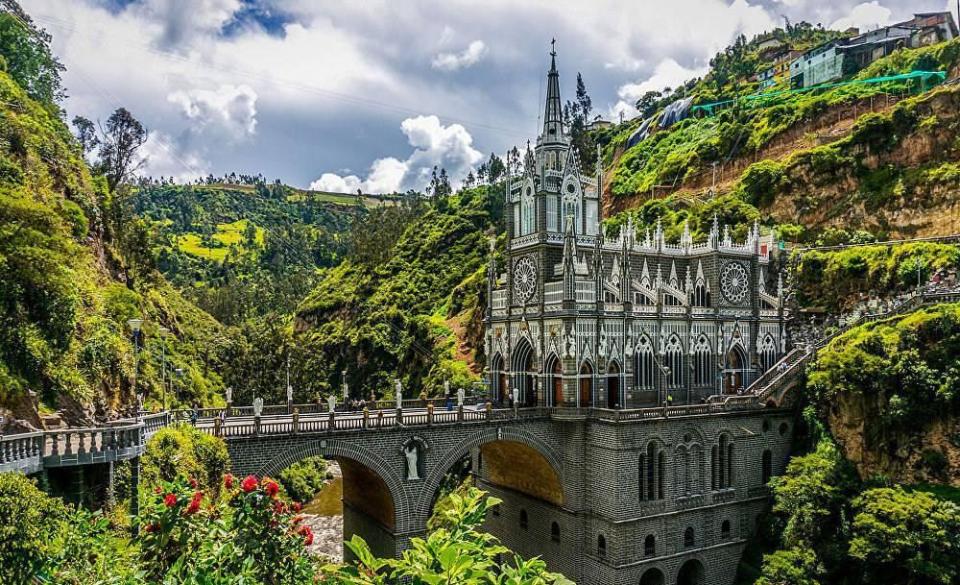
(552, 114)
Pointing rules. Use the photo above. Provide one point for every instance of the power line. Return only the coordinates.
(63, 26)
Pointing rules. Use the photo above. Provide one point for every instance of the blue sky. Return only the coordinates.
(344, 94)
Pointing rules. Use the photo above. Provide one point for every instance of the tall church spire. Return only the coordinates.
(552, 113)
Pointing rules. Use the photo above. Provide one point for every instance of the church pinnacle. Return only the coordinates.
(553, 113)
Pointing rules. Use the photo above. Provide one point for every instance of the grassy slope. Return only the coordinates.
(399, 317)
(687, 150)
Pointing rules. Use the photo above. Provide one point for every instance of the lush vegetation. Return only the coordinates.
(391, 309)
(240, 251)
(457, 553)
(183, 451)
(744, 127)
(904, 368)
(303, 480)
(834, 529)
(833, 278)
(240, 532)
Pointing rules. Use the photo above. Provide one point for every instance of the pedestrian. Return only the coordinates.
(194, 414)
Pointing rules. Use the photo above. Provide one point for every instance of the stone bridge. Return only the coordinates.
(394, 463)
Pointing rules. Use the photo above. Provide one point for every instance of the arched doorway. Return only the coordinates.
(498, 379)
(652, 577)
(691, 573)
(555, 370)
(613, 385)
(586, 384)
(733, 373)
(523, 374)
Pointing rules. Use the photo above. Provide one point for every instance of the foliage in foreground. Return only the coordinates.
(303, 480)
(183, 451)
(835, 529)
(455, 554)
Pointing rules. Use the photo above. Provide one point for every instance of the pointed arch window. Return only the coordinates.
(768, 353)
(673, 353)
(527, 212)
(644, 370)
(701, 296)
(702, 362)
(721, 467)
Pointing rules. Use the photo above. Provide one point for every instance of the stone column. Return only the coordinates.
(135, 494)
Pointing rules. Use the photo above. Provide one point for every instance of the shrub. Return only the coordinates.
(184, 452)
(304, 479)
(761, 183)
(30, 522)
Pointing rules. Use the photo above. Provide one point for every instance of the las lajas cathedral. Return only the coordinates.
(579, 320)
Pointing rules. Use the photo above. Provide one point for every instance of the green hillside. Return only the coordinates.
(67, 288)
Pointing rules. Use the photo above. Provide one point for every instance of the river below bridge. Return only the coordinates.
(324, 515)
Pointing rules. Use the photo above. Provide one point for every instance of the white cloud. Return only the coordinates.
(434, 144)
(668, 73)
(182, 19)
(336, 184)
(466, 58)
(865, 16)
(231, 108)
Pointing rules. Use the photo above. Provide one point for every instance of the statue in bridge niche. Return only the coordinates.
(411, 451)
(257, 406)
(228, 394)
(461, 395)
(332, 402)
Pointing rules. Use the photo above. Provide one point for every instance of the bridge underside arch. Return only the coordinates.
(521, 468)
(372, 492)
(516, 459)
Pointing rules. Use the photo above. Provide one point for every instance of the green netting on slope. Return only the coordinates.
(925, 78)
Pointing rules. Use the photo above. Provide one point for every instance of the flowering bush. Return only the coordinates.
(250, 534)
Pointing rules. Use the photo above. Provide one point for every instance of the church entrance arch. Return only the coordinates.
(555, 372)
(613, 385)
(524, 374)
(586, 384)
(734, 370)
(499, 379)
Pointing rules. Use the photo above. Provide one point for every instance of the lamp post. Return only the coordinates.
(163, 367)
(135, 327)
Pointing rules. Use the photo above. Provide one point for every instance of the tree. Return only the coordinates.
(457, 553)
(120, 140)
(86, 134)
(496, 168)
(906, 537)
(26, 51)
(31, 522)
(648, 103)
(583, 99)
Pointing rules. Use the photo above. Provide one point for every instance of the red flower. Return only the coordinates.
(249, 483)
(297, 520)
(297, 506)
(170, 500)
(306, 533)
(194, 503)
(157, 490)
(271, 488)
(279, 507)
(228, 481)
(151, 527)
(193, 483)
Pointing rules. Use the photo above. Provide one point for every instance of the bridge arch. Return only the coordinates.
(384, 498)
(545, 457)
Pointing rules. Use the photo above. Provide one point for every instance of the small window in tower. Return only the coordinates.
(570, 188)
(552, 130)
(523, 519)
(601, 546)
(555, 532)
